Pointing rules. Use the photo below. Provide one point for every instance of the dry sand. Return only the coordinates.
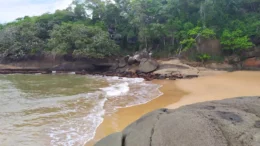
(218, 87)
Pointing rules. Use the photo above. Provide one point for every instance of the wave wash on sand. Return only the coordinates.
(64, 109)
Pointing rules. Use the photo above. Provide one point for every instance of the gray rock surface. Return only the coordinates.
(148, 65)
(111, 140)
(252, 53)
(234, 59)
(230, 122)
(138, 56)
(122, 63)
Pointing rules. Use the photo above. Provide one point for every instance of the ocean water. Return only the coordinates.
(63, 110)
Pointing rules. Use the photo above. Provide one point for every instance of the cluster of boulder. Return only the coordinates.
(230, 122)
(141, 59)
(141, 65)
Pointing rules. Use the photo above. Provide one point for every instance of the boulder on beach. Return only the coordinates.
(230, 122)
(148, 65)
(138, 56)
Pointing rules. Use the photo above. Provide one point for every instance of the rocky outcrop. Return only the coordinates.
(138, 56)
(148, 65)
(221, 66)
(70, 66)
(252, 63)
(234, 59)
(255, 52)
(231, 122)
(174, 67)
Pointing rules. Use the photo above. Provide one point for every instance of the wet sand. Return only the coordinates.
(123, 117)
(184, 92)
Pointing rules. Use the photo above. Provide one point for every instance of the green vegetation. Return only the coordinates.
(203, 57)
(235, 40)
(101, 28)
(81, 40)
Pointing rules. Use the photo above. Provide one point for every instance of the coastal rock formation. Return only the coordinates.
(255, 52)
(138, 56)
(148, 65)
(252, 63)
(174, 67)
(234, 59)
(230, 122)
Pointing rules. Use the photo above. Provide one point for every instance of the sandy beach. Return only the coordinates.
(184, 92)
(218, 87)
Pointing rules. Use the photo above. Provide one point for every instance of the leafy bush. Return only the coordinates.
(195, 33)
(203, 57)
(188, 43)
(217, 58)
(205, 33)
(235, 40)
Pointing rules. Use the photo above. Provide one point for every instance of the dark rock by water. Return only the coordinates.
(230, 122)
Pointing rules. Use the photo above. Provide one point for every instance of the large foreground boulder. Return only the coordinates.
(231, 122)
(111, 140)
(148, 65)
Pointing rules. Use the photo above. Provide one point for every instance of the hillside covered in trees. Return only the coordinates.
(98, 28)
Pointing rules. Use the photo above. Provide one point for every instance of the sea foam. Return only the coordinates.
(121, 92)
(116, 90)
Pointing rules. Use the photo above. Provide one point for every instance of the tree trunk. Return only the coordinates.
(115, 25)
(145, 42)
(164, 41)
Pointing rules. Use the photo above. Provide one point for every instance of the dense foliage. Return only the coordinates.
(81, 40)
(101, 28)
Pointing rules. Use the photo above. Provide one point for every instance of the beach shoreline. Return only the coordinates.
(117, 121)
(171, 94)
(184, 92)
